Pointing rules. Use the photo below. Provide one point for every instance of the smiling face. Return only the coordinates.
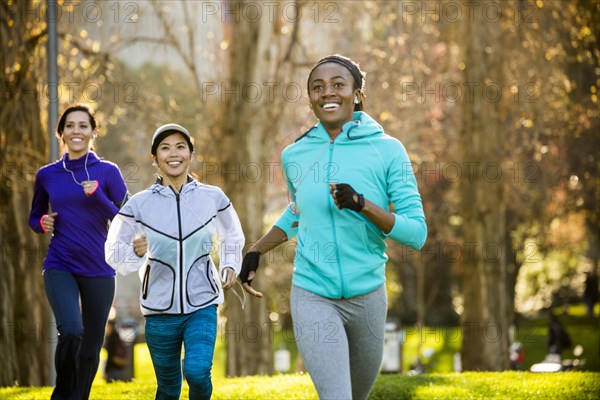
(78, 134)
(332, 94)
(173, 158)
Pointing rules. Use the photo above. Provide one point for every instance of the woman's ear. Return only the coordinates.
(358, 96)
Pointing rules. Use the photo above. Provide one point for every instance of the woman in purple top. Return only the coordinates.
(74, 200)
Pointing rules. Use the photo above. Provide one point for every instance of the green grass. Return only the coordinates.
(472, 385)
(440, 383)
(489, 385)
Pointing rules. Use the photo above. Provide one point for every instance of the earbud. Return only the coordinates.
(356, 100)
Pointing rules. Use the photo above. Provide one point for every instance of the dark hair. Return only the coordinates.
(75, 107)
(358, 75)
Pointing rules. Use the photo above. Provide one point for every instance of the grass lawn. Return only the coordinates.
(439, 383)
(472, 385)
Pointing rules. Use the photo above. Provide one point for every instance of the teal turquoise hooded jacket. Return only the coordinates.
(341, 253)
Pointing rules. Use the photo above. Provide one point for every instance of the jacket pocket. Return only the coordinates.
(353, 246)
(145, 283)
(319, 246)
(317, 253)
(201, 285)
(158, 286)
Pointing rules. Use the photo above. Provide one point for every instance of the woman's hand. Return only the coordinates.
(47, 222)
(89, 187)
(345, 196)
(229, 278)
(249, 267)
(140, 246)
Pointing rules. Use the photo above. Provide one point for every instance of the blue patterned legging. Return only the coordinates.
(197, 332)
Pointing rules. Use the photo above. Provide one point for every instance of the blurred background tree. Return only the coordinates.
(24, 314)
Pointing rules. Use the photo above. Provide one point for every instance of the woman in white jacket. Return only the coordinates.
(166, 232)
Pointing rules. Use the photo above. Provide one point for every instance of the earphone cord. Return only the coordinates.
(72, 174)
(242, 301)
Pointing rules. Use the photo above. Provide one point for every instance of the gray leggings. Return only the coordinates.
(340, 340)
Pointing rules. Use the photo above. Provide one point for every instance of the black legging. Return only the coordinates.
(80, 330)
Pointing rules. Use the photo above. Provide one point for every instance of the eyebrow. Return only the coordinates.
(166, 144)
(335, 77)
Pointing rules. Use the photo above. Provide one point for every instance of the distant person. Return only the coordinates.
(116, 354)
(366, 192)
(168, 231)
(590, 294)
(74, 200)
(517, 355)
(558, 337)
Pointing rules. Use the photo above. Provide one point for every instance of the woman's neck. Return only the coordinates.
(333, 130)
(76, 155)
(176, 182)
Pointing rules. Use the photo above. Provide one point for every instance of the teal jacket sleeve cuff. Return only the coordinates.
(409, 231)
(286, 223)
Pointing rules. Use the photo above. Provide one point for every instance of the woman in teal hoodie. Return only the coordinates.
(351, 186)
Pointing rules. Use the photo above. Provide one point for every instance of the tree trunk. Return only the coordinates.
(24, 315)
(484, 320)
(251, 122)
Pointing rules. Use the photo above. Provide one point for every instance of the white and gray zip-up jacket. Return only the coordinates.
(178, 274)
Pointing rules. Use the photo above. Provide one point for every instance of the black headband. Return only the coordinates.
(344, 62)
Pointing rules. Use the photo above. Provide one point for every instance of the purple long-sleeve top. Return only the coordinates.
(81, 226)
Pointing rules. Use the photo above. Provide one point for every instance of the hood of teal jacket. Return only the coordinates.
(361, 126)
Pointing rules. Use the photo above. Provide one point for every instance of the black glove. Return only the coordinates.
(249, 264)
(344, 194)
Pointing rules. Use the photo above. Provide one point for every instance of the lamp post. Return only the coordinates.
(51, 20)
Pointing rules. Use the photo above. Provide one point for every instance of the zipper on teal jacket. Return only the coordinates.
(335, 243)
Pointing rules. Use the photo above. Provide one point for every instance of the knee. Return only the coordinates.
(70, 332)
(197, 375)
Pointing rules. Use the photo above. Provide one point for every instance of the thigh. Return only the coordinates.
(164, 339)
(199, 337)
(321, 339)
(97, 295)
(366, 329)
(63, 295)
